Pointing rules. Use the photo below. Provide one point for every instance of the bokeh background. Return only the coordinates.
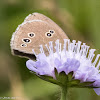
(80, 19)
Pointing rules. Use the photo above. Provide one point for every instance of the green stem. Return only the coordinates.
(64, 93)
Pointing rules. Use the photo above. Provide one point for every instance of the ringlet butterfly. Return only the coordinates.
(36, 30)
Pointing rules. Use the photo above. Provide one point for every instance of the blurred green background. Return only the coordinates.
(80, 19)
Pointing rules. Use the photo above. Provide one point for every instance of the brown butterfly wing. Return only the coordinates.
(40, 25)
(38, 16)
(40, 29)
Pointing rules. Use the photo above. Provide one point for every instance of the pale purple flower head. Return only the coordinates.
(68, 57)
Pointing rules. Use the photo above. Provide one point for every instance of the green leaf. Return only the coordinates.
(49, 79)
(85, 83)
(70, 76)
(63, 78)
(56, 73)
(73, 83)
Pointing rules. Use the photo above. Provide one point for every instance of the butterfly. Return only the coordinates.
(36, 30)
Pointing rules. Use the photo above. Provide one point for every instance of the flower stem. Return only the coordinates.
(64, 93)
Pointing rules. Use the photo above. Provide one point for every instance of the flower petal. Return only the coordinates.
(97, 91)
(31, 65)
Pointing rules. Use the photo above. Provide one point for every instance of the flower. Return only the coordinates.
(73, 65)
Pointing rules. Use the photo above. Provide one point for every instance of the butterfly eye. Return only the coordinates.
(26, 40)
(31, 34)
(51, 31)
(48, 35)
(23, 45)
